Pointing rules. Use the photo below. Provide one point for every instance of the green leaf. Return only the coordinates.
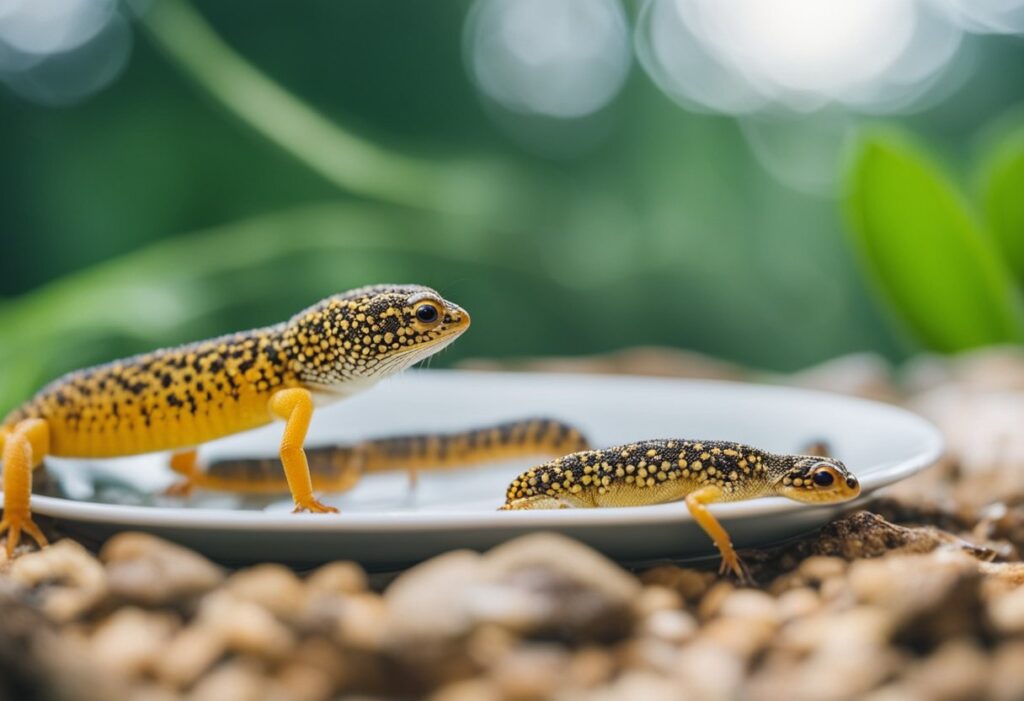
(920, 243)
(1002, 197)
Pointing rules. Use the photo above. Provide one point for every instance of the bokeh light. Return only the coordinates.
(56, 52)
(740, 56)
(987, 16)
(555, 58)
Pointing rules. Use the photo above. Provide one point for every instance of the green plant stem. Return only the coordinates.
(350, 162)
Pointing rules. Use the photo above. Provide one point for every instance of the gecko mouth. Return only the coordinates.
(408, 357)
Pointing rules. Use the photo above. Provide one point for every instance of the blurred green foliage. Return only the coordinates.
(257, 157)
(1001, 178)
(945, 278)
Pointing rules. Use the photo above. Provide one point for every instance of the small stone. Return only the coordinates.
(336, 578)
(636, 684)
(656, 598)
(741, 638)
(590, 667)
(244, 626)
(236, 680)
(541, 585)
(429, 600)
(818, 568)
(862, 626)
(797, 603)
(274, 587)
(674, 626)
(708, 672)
(930, 597)
(956, 671)
(1006, 675)
(65, 579)
(530, 672)
(713, 600)
(648, 653)
(364, 622)
(188, 654)
(749, 604)
(144, 569)
(468, 690)
(131, 641)
(303, 682)
(688, 583)
(151, 692)
(1006, 612)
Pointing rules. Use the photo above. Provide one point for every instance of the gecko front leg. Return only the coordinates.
(295, 406)
(23, 450)
(697, 503)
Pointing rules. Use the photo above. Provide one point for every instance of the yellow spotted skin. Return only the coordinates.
(184, 396)
(658, 471)
(338, 467)
(694, 471)
(178, 398)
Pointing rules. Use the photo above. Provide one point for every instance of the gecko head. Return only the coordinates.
(817, 480)
(369, 333)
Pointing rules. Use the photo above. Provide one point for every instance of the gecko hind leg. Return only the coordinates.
(697, 503)
(185, 463)
(24, 449)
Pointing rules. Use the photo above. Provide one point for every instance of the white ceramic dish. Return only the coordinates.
(384, 526)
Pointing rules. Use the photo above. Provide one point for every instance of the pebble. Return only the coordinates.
(65, 579)
(337, 578)
(273, 587)
(147, 570)
(132, 641)
(188, 655)
(244, 626)
(957, 671)
(674, 626)
(1006, 672)
(1006, 612)
(530, 672)
(688, 583)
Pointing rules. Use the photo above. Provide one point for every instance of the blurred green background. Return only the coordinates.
(237, 161)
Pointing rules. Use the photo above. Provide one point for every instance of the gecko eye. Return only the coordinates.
(427, 313)
(823, 478)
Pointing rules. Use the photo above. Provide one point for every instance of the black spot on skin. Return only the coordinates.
(173, 400)
(165, 380)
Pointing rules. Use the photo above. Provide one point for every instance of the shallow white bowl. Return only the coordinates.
(384, 526)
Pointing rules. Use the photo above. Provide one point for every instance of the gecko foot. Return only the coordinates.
(732, 563)
(314, 506)
(183, 488)
(14, 527)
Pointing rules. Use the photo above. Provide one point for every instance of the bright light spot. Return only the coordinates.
(558, 58)
(50, 26)
(987, 16)
(679, 64)
(71, 76)
(738, 56)
(56, 52)
(808, 44)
